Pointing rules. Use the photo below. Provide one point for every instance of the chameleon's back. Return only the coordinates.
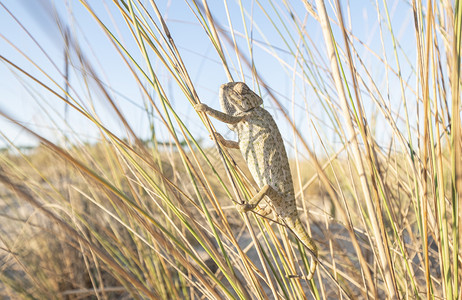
(263, 149)
(262, 146)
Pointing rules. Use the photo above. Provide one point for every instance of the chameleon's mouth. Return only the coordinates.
(250, 109)
(225, 85)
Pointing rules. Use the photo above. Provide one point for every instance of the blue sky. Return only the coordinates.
(275, 64)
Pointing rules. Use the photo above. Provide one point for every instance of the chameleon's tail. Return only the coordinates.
(296, 225)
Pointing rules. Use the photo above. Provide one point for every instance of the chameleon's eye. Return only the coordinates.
(240, 88)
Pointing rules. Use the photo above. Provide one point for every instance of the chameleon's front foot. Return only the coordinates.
(201, 107)
(219, 137)
(245, 207)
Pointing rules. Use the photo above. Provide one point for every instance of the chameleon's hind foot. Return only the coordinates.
(307, 277)
(265, 191)
(245, 207)
(263, 210)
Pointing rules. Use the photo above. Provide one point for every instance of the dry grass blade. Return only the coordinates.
(377, 226)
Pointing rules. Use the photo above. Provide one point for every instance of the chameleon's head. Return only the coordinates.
(237, 97)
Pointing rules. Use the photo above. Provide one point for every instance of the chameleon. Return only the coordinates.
(262, 147)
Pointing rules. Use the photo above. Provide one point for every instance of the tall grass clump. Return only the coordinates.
(123, 195)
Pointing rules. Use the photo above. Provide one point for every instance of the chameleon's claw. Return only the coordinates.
(219, 137)
(201, 107)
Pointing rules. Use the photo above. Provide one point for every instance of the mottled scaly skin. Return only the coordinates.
(263, 149)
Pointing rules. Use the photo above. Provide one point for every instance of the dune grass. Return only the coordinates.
(376, 164)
